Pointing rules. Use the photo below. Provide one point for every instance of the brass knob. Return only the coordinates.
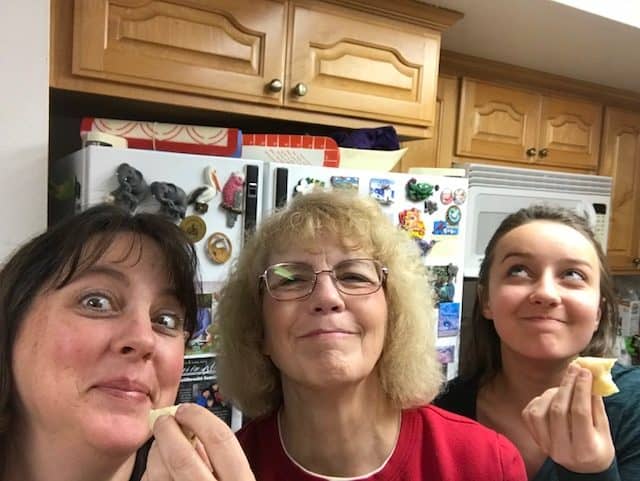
(531, 152)
(300, 89)
(636, 261)
(275, 85)
(543, 153)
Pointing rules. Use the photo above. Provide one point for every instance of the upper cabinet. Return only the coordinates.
(519, 126)
(621, 160)
(317, 61)
(359, 65)
(232, 50)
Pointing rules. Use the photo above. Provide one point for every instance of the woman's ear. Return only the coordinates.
(483, 301)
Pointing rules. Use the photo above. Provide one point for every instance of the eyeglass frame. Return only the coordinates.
(384, 272)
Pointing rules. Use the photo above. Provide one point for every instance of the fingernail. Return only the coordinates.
(572, 369)
(584, 373)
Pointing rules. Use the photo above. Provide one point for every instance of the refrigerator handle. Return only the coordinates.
(282, 175)
(251, 203)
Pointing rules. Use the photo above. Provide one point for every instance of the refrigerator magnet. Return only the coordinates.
(132, 188)
(419, 191)
(233, 197)
(219, 248)
(454, 215)
(173, 200)
(308, 185)
(411, 222)
(459, 196)
(448, 319)
(446, 354)
(430, 207)
(346, 183)
(382, 191)
(194, 227)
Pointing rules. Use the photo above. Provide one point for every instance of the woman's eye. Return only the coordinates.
(574, 275)
(168, 321)
(354, 277)
(517, 271)
(97, 302)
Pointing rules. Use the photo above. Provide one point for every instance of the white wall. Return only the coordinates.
(24, 120)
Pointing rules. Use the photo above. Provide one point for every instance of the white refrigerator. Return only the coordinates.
(431, 208)
(226, 207)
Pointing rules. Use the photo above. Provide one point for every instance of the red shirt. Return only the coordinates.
(433, 445)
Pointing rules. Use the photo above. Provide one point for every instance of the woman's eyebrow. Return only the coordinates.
(104, 271)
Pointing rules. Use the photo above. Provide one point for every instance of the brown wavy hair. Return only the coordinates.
(480, 352)
(52, 259)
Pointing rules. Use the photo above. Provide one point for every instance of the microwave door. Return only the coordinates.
(488, 209)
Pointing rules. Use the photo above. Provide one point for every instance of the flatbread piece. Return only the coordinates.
(600, 368)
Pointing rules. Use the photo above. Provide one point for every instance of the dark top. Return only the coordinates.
(141, 461)
(623, 411)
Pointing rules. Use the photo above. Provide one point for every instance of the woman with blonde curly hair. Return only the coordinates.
(328, 341)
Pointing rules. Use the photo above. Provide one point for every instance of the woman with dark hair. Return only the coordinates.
(94, 315)
(327, 336)
(545, 296)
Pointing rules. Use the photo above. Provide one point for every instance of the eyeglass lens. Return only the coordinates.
(293, 279)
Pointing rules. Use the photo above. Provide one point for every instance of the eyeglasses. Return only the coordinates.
(289, 281)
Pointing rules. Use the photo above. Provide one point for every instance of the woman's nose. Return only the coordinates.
(325, 295)
(136, 338)
(545, 291)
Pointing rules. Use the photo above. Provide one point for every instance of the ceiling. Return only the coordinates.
(547, 36)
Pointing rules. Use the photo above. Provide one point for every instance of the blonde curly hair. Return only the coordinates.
(408, 368)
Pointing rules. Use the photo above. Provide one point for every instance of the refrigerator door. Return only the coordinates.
(431, 208)
(224, 230)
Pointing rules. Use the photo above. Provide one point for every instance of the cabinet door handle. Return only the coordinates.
(300, 89)
(636, 262)
(275, 85)
(531, 152)
(543, 153)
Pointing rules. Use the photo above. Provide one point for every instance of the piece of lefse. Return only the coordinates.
(600, 368)
(154, 414)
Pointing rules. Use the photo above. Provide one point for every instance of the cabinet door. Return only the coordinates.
(227, 48)
(360, 65)
(569, 133)
(438, 150)
(621, 160)
(497, 122)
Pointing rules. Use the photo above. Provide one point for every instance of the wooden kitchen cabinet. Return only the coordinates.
(513, 125)
(621, 160)
(232, 50)
(339, 62)
(359, 65)
(438, 150)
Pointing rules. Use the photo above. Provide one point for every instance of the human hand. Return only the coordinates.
(216, 456)
(570, 424)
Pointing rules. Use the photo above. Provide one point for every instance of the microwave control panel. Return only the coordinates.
(600, 228)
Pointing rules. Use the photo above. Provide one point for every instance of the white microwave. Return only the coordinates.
(495, 192)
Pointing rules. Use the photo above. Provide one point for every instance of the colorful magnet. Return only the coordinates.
(454, 215)
(194, 227)
(446, 197)
(448, 319)
(418, 191)
(440, 227)
(233, 197)
(308, 185)
(347, 183)
(446, 354)
(411, 222)
(219, 248)
(459, 196)
(382, 191)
